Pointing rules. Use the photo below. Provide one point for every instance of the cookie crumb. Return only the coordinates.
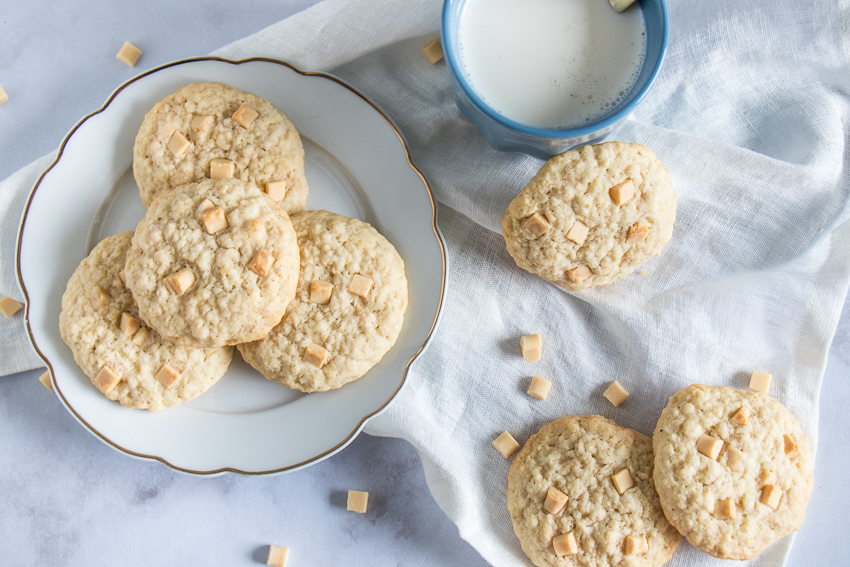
(129, 54)
(357, 501)
(506, 444)
(277, 556)
(433, 50)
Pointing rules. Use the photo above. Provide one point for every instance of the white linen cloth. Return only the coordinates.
(748, 114)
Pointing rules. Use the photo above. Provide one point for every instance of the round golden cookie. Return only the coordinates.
(592, 215)
(202, 122)
(580, 456)
(753, 491)
(213, 263)
(100, 324)
(326, 341)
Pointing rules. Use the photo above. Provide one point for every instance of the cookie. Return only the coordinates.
(100, 324)
(591, 216)
(733, 469)
(182, 136)
(580, 492)
(348, 310)
(213, 263)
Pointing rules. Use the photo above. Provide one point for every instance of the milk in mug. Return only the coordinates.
(551, 63)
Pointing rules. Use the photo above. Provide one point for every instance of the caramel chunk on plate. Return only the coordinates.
(316, 355)
(357, 501)
(106, 380)
(245, 115)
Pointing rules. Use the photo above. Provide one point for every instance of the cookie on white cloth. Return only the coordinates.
(592, 215)
(213, 263)
(733, 469)
(93, 306)
(612, 517)
(333, 335)
(204, 122)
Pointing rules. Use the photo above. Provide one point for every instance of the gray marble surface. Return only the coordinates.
(66, 498)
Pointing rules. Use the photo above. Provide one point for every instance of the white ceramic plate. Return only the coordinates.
(357, 165)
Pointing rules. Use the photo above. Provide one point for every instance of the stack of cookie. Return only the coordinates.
(313, 300)
(730, 470)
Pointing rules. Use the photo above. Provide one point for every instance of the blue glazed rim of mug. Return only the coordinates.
(450, 49)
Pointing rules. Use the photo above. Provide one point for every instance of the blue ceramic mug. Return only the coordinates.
(507, 135)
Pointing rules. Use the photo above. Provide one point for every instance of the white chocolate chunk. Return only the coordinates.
(578, 232)
(537, 223)
(316, 355)
(178, 144)
(202, 123)
(636, 544)
(620, 5)
(771, 495)
(615, 393)
(579, 274)
(179, 282)
(357, 501)
(261, 264)
(539, 388)
(129, 54)
(742, 416)
(98, 298)
(106, 380)
(433, 50)
(245, 115)
(623, 480)
(555, 500)
(276, 190)
(320, 292)
(725, 509)
(709, 446)
(360, 285)
(204, 206)
(45, 380)
(622, 192)
(277, 556)
(221, 168)
(9, 306)
(167, 376)
(505, 444)
(760, 381)
(122, 275)
(531, 347)
(734, 457)
(214, 220)
(140, 336)
(129, 324)
(637, 232)
(565, 544)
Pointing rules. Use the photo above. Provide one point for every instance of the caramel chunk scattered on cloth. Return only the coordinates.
(506, 444)
(129, 54)
(357, 501)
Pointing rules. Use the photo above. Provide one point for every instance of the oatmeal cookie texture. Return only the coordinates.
(202, 123)
(347, 312)
(591, 216)
(213, 263)
(100, 324)
(733, 469)
(581, 493)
